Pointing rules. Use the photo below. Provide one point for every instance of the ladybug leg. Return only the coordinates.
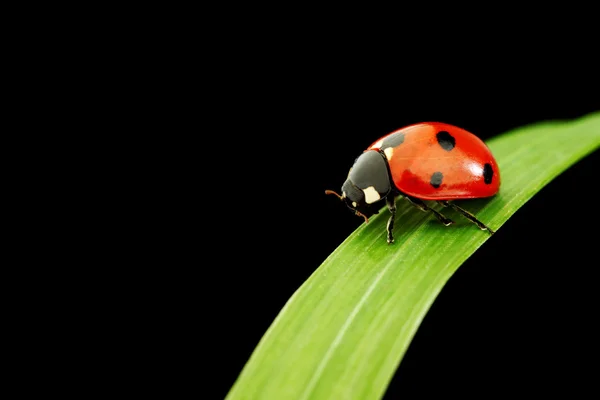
(391, 205)
(467, 215)
(424, 207)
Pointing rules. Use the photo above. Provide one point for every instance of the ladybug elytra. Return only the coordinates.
(425, 161)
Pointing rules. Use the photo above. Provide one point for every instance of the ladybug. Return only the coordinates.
(424, 161)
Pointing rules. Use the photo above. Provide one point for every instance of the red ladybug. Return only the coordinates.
(424, 161)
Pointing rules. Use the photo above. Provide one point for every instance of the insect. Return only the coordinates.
(425, 161)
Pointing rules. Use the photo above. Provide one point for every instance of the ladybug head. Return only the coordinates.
(355, 201)
(368, 182)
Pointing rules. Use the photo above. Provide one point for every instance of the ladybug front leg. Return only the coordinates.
(391, 205)
(424, 207)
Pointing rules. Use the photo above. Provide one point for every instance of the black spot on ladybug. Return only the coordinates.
(436, 179)
(393, 140)
(488, 173)
(446, 140)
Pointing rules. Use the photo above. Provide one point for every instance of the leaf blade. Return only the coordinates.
(345, 330)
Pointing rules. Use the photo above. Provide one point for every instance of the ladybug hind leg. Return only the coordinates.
(467, 215)
(424, 207)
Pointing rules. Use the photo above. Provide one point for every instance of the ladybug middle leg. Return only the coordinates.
(467, 215)
(391, 205)
(424, 207)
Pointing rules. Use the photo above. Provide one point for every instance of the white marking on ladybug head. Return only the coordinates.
(343, 195)
(389, 152)
(371, 195)
(377, 144)
(354, 204)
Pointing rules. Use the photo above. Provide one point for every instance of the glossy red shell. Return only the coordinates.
(459, 170)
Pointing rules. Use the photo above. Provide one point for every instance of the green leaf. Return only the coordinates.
(344, 332)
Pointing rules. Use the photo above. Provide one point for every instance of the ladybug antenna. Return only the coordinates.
(334, 193)
(362, 215)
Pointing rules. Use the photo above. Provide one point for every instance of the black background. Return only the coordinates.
(229, 142)
(519, 314)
